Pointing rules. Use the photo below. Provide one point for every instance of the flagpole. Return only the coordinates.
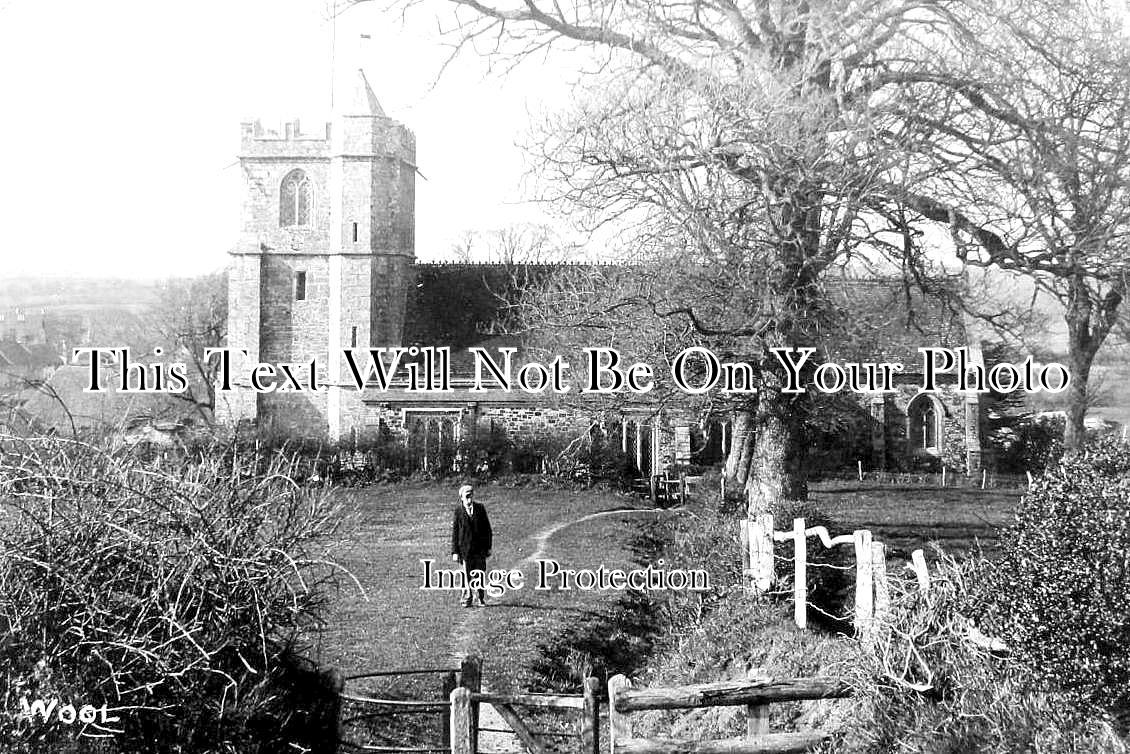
(333, 54)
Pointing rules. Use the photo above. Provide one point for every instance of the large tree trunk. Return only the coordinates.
(769, 459)
(777, 476)
(741, 449)
(1079, 360)
(1088, 323)
(767, 453)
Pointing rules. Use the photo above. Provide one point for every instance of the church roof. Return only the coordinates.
(64, 404)
(885, 320)
(460, 305)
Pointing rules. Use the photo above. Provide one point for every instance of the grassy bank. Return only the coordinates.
(925, 685)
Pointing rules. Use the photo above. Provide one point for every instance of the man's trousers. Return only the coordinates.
(474, 563)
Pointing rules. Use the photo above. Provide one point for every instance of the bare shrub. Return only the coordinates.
(933, 682)
(179, 595)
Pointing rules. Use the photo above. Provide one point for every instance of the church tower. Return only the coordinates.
(323, 260)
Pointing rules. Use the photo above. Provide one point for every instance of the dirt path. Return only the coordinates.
(398, 625)
(465, 632)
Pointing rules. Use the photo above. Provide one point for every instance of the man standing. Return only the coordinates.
(471, 541)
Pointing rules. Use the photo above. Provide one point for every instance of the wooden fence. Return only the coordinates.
(946, 477)
(665, 489)
(464, 721)
(872, 595)
(756, 693)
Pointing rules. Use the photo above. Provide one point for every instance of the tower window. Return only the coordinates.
(296, 199)
(300, 285)
(353, 337)
(354, 232)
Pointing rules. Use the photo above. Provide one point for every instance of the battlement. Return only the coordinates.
(288, 131)
(378, 135)
(288, 141)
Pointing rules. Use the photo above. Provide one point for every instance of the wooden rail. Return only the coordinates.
(729, 693)
(756, 692)
(464, 722)
(560, 701)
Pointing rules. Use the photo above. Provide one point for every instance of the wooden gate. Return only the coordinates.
(465, 727)
(359, 708)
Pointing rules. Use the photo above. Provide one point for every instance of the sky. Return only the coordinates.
(119, 124)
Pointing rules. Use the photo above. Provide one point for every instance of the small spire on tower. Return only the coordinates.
(363, 101)
(352, 94)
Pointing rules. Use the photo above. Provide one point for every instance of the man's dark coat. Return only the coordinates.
(470, 535)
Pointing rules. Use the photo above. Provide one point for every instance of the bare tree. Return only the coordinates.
(1026, 121)
(524, 243)
(743, 151)
(192, 315)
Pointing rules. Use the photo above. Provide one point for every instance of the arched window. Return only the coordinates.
(924, 417)
(296, 199)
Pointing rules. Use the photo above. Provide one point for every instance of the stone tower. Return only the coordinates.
(323, 260)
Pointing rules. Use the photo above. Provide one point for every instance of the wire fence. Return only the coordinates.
(768, 571)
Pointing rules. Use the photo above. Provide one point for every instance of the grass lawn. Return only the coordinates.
(906, 518)
(532, 639)
(391, 528)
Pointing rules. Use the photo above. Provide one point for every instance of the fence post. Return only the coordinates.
(654, 489)
(863, 581)
(619, 727)
(683, 487)
(590, 718)
(337, 684)
(757, 715)
(743, 535)
(462, 724)
(446, 687)
(918, 562)
(882, 605)
(471, 678)
(761, 552)
(800, 574)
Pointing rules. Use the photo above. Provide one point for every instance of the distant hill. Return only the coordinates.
(74, 295)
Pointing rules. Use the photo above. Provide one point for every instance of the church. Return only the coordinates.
(326, 261)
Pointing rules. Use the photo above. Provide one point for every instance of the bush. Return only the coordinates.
(926, 686)
(1060, 593)
(180, 595)
(1032, 445)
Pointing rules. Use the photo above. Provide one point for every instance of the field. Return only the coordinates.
(959, 520)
